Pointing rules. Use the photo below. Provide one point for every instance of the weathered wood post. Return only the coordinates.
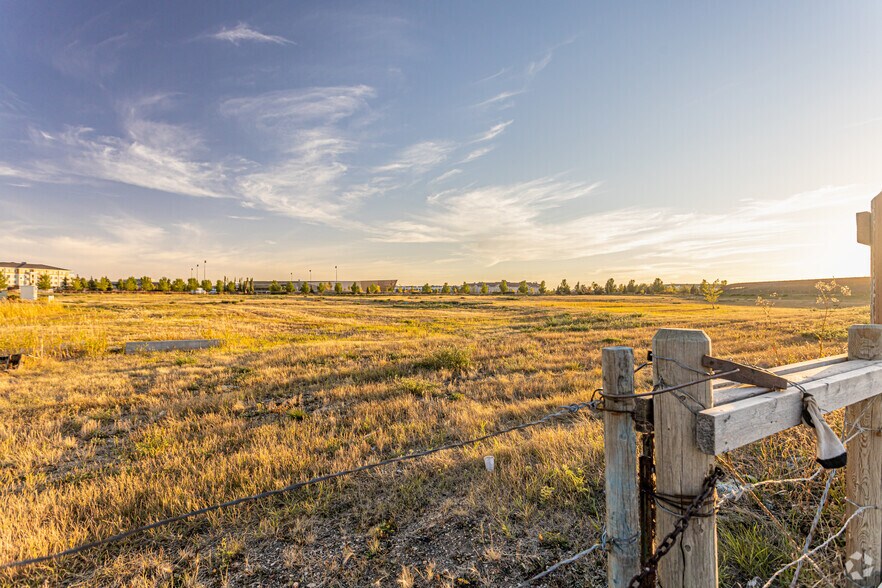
(863, 481)
(680, 466)
(620, 452)
(863, 485)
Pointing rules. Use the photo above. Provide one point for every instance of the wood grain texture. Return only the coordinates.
(733, 425)
(863, 479)
(680, 466)
(620, 451)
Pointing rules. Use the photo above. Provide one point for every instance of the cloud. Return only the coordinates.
(242, 32)
(533, 221)
(293, 108)
(502, 98)
(81, 59)
(493, 132)
(419, 157)
(447, 175)
(477, 153)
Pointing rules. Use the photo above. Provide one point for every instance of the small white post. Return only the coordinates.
(620, 452)
(863, 481)
(680, 466)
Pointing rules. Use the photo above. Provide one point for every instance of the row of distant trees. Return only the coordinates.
(147, 284)
(632, 287)
(710, 291)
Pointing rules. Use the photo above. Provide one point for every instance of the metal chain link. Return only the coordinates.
(707, 490)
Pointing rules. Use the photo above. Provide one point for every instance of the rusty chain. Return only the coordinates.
(707, 490)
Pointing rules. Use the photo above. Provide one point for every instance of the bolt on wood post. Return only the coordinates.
(680, 467)
(620, 452)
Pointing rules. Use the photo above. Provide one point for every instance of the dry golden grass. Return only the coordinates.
(93, 442)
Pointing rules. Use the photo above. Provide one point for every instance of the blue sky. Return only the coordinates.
(440, 141)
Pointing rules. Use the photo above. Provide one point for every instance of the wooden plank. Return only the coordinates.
(181, 345)
(746, 374)
(680, 466)
(865, 228)
(727, 427)
(812, 371)
(726, 392)
(620, 451)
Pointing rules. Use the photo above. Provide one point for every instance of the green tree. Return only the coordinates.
(205, 285)
(121, 284)
(374, 289)
(657, 286)
(522, 287)
(219, 287)
(338, 288)
(427, 289)
(179, 285)
(711, 291)
(231, 287)
(356, 288)
(484, 288)
(274, 287)
(304, 288)
(563, 287)
(164, 284)
(322, 287)
(4, 282)
(542, 288)
(465, 288)
(92, 284)
(77, 284)
(610, 286)
(631, 288)
(445, 289)
(131, 284)
(503, 287)
(289, 287)
(192, 284)
(65, 283)
(104, 284)
(147, 284)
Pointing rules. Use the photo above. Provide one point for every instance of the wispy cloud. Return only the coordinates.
(242, 32)
(477, 153)
(480, 223)
(502, 98)
(518, 79)
(419, 157)
(447, 175)
(283, 110)
(493, 132)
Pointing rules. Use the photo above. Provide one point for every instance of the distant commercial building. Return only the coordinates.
(263, 286)
(22, 273)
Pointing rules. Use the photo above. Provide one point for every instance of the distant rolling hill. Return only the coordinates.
(796, 292)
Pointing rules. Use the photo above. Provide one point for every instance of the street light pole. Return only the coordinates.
(310, 276)
(204, 270)
(336, 279)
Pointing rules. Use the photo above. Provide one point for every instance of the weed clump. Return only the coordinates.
(455, 359)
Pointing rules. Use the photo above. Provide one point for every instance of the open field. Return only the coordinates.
(93, 442)
(797, 293)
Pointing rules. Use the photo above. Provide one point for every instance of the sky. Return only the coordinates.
(440, 141)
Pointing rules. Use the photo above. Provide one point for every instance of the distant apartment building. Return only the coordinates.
(22, 273)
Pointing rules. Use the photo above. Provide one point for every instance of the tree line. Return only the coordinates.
(710, 291)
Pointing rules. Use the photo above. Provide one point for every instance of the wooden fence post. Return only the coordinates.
(863, 481)
(680, 466)
(620, 452)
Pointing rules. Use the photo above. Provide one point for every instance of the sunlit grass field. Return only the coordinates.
(93, 442)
